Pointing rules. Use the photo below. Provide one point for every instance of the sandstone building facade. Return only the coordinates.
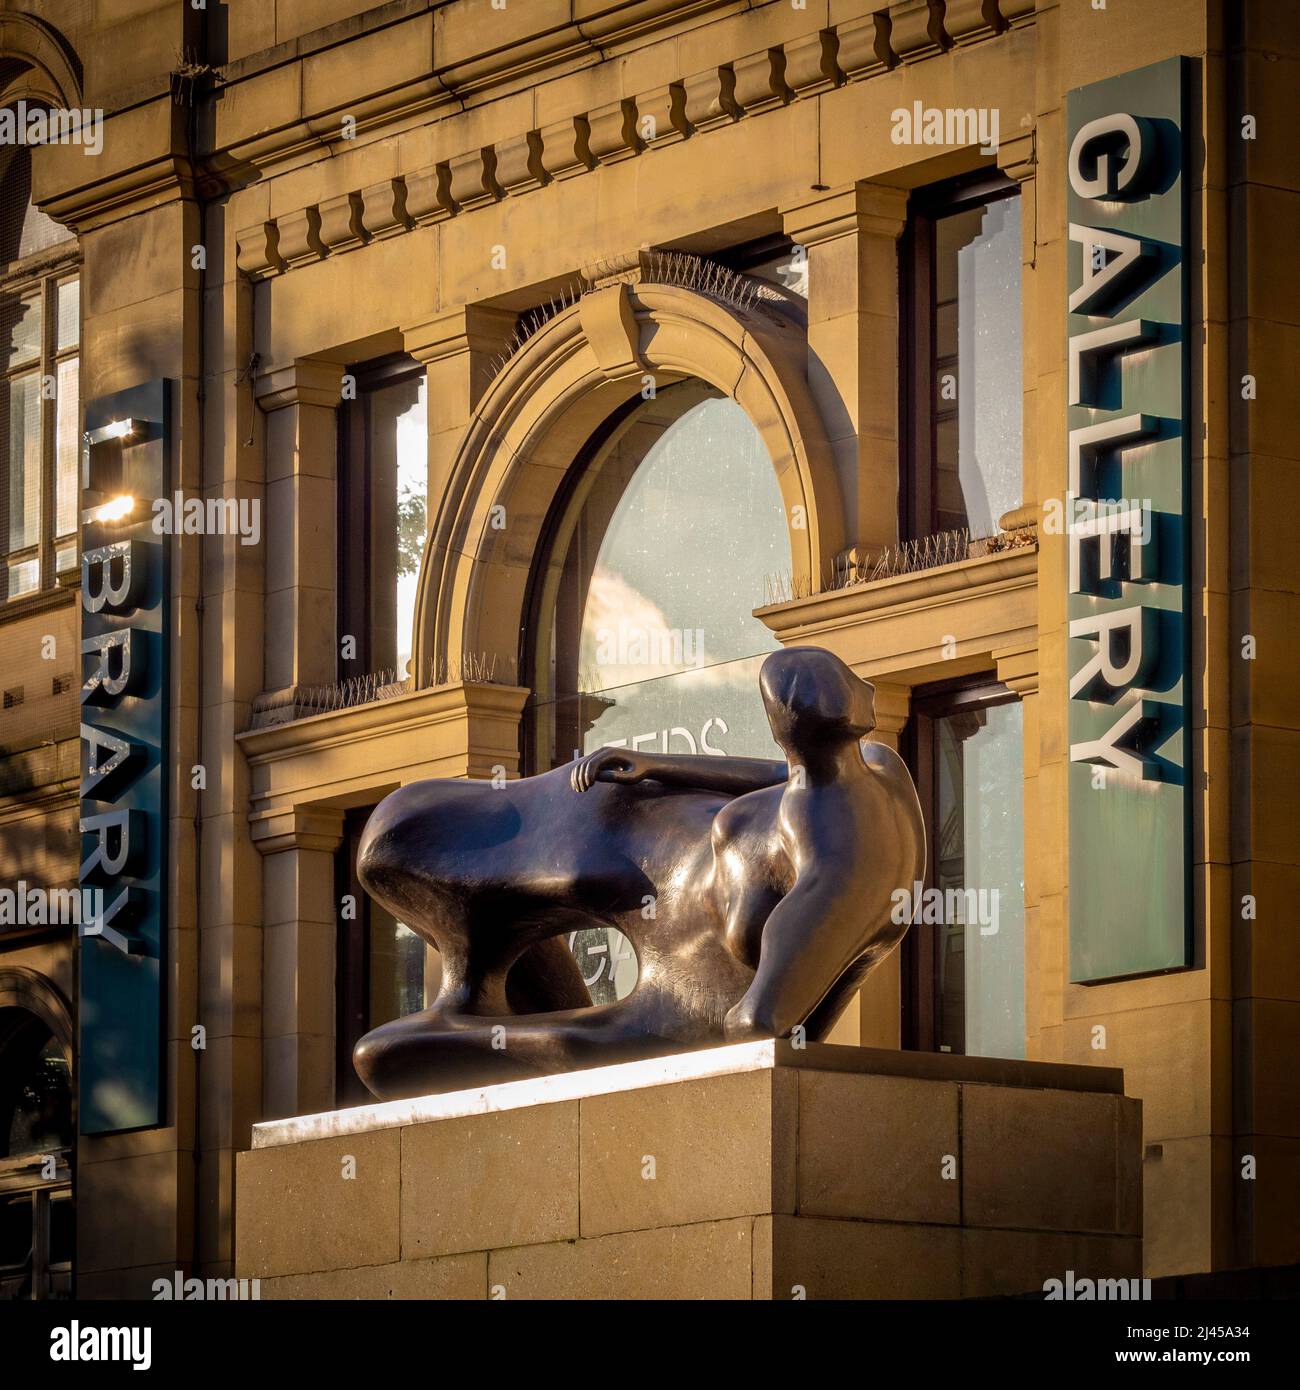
(540, 365)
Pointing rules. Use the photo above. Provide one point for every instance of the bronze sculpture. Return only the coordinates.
(757, 894)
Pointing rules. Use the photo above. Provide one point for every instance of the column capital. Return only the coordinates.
(1018, 668)
(308, 381)
(1018, 156)
(893, 707)
(299, 827)
(467, 328)
(872, 209)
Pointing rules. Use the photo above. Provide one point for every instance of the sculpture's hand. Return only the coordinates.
(609, 765)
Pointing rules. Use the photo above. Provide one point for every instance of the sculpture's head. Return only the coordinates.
(812, 695)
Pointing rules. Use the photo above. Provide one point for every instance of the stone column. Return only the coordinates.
(301, 402)
(298, 947)
(458, 349)
(1018, 668)
(851, 236)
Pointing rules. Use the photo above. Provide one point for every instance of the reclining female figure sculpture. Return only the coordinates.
(756, 894)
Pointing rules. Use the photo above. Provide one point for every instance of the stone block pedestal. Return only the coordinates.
(751, 1171)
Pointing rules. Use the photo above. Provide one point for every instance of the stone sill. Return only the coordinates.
(417, 709)
(1012, 568)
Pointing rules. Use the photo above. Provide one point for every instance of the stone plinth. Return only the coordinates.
(752, 1171)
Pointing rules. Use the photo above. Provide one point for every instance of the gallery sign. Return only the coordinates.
(1127, 525)
(125, 689)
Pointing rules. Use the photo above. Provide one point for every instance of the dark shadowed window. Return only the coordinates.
(36, 1230)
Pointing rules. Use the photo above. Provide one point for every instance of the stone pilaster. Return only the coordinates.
(850, 235)
(301, 403)
(301, 926)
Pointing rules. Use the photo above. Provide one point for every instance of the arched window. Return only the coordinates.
(40, 318)
(672, 526)
(645, 636)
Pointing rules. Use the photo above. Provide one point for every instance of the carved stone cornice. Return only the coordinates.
(143, 164)
(1018, 668)
(300, 827)
(687, 108)
(306, 382)
(466, 328)
(1018, 156)
(872, 209)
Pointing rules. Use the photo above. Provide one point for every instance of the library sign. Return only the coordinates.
(125, 622)
(1127, 525)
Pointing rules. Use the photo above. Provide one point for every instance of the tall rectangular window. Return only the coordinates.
(383, 515)
(961, 360)
(40, 333)
(963, 959)
(39, 428)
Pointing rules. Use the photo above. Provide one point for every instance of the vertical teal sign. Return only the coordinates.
(125, 687)
(1126, 524)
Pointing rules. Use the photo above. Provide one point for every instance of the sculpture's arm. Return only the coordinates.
(699, 772)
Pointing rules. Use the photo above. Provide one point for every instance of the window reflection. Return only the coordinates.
(970, 925)
(977, 339)
(963, 353)
(659, 561)
(383, 516)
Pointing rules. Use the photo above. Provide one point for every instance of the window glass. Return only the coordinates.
(673, 536)
(39, 442)
(966, 380)
(787, 268)
(383, 518)
(977, 340)
(24, 577)
(978, 860)
(20, 330)
(24, 229)
(675, 527)
(67, 430)
(68, 314)
(396, 968)
(22, 402)
(36, 1087)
